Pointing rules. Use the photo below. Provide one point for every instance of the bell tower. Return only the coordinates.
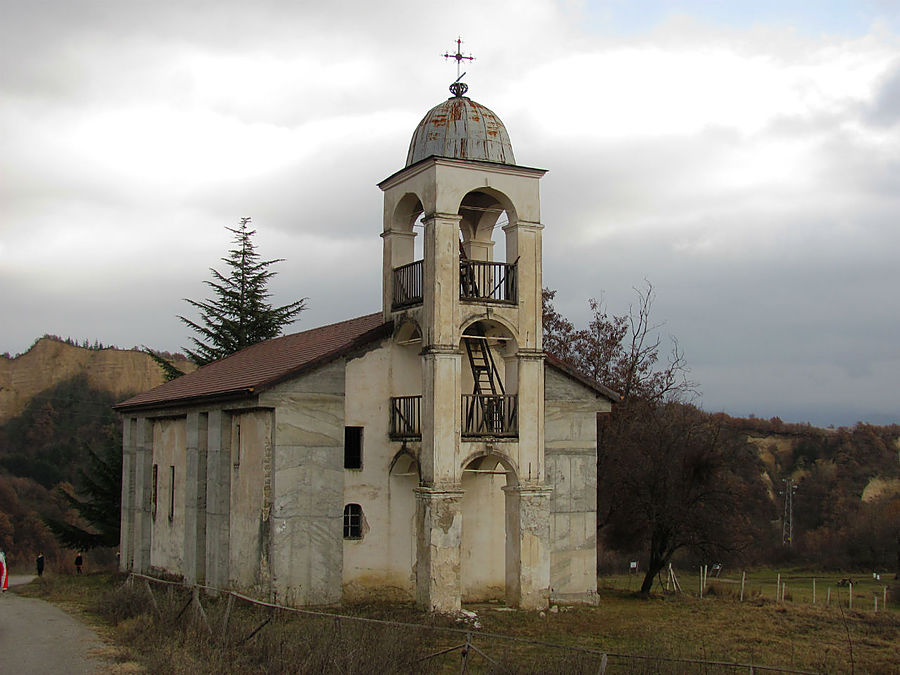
(473, 300)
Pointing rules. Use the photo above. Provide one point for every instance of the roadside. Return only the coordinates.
(37, 637)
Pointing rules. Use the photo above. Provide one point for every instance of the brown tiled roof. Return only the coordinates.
(268, 363)
(265, 364)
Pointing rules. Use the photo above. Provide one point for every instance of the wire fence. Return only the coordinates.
(438, 647)
(855, 593)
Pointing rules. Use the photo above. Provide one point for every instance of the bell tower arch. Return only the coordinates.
(477, 302)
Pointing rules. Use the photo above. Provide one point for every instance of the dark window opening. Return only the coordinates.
(171, 493)
(353, 521)
(236, 450)
(353, 439)
(154, 491)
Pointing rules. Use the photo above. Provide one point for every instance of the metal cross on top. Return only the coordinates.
(458, 88)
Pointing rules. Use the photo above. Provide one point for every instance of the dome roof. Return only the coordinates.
(462, 129)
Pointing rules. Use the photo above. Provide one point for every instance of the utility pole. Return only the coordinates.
(787, 520)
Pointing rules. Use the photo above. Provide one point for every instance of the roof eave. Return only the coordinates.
(604, 391)
(425, 162)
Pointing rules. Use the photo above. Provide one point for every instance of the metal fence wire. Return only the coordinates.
(472, 650)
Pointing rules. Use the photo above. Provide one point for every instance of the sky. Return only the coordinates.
(743, 157)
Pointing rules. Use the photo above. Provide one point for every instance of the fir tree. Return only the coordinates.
(170, 372)
(99, 505)
(239, 314)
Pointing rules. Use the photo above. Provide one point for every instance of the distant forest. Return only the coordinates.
(846, 509)
(43, 452)
(96, 346)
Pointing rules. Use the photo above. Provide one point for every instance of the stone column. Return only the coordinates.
(527, 546)
(143, 482)
(440, 415)
(195, 497)
(530, 392)
(441, 284)
(438, 536)
(218, 498)
(523, 242)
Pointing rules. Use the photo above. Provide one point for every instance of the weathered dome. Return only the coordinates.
(463, 129)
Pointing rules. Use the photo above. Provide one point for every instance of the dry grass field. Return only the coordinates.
(639, 635)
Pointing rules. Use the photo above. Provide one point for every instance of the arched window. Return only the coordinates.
(353, 521)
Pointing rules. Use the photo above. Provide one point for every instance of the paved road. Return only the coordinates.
(36, 637)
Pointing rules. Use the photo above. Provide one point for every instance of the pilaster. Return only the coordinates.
(143, 482)
(126, 527)
(218, 498)
(196, 436)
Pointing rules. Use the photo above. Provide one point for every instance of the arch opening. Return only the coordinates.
(401, 530)
(483, 547)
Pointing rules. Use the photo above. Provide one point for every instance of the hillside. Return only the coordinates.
(50, 361)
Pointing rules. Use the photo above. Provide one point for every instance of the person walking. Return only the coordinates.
(39, 562)
(4, 573)
(79, 561)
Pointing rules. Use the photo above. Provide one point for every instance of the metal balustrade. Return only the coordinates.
(490, 415)
(408, 284)
(406, 417)
(488, 281)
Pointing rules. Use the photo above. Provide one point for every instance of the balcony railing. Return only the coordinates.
(487, 281)
(406, 417)
(408, 284)
(490, 415)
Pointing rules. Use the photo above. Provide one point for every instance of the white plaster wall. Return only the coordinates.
(570, 438)
(249, 517)
(167, 534)
(307, 486)
(382, 563)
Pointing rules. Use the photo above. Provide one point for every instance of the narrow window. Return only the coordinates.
(171, 493)
(236, 450)
(154, 493)
(353, 521)
(353, 438)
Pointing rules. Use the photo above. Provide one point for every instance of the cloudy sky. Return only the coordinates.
(742, 156)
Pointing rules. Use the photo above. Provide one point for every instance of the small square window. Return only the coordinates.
(353, 521)
(353, 440)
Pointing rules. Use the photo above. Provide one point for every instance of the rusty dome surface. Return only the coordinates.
(462, 129)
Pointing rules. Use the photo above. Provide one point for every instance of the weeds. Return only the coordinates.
(166, 635)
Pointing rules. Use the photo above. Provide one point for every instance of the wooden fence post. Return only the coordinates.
(743, 579)
(228, 608)
(198, 608)
(152, 597)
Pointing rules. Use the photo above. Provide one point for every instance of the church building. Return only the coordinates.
(429, 451)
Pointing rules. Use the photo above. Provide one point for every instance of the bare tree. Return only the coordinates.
(667, 478)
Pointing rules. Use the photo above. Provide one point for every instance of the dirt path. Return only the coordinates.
(36, 637)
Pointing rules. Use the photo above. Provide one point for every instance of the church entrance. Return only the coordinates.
(483, 548)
